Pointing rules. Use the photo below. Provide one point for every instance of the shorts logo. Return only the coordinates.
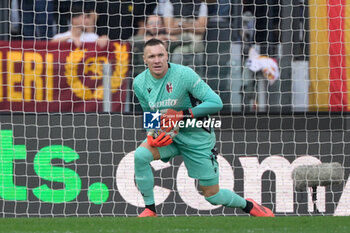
(151, 120)
(169, 87)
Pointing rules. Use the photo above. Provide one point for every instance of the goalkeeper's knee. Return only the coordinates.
(142, 156)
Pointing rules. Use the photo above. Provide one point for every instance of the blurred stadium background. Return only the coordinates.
(69, 120)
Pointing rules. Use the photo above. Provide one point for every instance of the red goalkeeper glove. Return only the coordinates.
(161, 140)
(171, 117)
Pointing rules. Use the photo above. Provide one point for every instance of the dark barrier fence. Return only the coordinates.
(82, 165)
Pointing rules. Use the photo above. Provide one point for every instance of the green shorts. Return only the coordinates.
(201, 163)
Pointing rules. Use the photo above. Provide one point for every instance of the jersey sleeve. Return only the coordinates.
(140, 97)
(211, 102)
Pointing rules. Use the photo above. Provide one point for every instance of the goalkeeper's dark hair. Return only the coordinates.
(153, 42)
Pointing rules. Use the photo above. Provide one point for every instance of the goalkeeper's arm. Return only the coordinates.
(211, 103)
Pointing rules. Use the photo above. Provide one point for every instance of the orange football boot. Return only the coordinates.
(259, 210)
(147, 213)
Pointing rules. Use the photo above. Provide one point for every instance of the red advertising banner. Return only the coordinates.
(59, 77)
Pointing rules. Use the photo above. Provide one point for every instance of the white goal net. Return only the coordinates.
(70, 121)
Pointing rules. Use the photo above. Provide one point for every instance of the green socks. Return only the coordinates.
(143, 174)
(227, 198)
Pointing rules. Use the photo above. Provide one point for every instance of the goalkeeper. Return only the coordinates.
(174, 87)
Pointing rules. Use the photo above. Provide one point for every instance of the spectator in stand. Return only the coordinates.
(120, 20)
(266, 13)
(220, 33)
(37, 17)
(15, 19)
(155, 28)
(76, 33)
(90, 20)
(186, 19)
(82, 27)
(248, 27)
(159, 10)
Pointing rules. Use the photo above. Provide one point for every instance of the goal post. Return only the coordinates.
(70, 122)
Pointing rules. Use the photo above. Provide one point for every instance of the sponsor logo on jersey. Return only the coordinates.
(164, 103)
(151, 120)
(169, 87)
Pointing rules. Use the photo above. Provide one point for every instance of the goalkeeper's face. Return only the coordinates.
(156, 57)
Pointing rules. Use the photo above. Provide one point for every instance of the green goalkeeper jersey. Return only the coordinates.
(179, 89)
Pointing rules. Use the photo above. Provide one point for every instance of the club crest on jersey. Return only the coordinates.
(169, 87)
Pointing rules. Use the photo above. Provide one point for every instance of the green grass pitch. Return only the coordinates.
(310, 224)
